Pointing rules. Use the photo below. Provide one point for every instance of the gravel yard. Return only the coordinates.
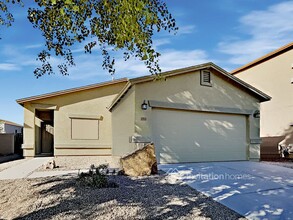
(135, 198)
(82, 162)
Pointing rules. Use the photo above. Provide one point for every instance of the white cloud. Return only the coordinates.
(161, 41)
(169, 60)
(19, 57)
(33, 46)
(89, 66)
(267, 30)
(174, 59)
(8, 67)
(186, 29)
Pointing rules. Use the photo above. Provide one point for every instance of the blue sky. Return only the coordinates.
(229, 33)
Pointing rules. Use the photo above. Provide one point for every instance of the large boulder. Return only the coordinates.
(142, 162)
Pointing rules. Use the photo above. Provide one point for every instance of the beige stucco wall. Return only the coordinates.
(186, 88)
(130, 120)
(29, 131)
(274, 78)
(6, 144)
(123, 124)
(93, 102)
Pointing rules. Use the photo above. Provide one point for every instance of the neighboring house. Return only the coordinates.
(8, 127)
(10, 136)
(199, 113)
(273, 74)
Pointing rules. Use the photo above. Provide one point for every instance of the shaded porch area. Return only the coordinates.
(44, 133)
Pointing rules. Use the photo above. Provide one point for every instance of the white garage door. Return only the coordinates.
(182, 136)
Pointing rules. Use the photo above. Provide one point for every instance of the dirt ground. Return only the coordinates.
(135, 198)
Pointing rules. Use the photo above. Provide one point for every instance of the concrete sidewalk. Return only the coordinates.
(51, 173)
(24, 169)
(255, 190)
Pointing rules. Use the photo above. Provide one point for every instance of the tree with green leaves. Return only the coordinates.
(110, 25)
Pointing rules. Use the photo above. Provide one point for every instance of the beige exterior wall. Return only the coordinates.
(83, 104)
(123, 124)
(128, 119)
(6, 144)
(37, 133)
(186, 89)
(274, 78)
(29, 131)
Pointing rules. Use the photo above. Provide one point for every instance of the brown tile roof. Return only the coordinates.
(266, 57)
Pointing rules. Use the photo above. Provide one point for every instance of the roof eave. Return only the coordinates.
(119, 96)
(263, 58)
(67, 91)
(262, 96)
(171, 73)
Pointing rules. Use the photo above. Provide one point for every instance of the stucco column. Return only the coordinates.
(254, 138)
(29, 131)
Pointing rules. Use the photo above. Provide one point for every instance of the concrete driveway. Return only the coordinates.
(255, 190)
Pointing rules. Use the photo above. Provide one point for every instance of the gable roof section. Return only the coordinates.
(257, 93)
(67, 91)
(130, 82)
(264, 58)
(10, 123)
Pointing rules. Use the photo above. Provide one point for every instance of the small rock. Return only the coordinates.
(50, 165)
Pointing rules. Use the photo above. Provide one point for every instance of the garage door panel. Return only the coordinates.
(182, 136)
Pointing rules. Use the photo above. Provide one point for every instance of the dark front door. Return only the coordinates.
(47, 138)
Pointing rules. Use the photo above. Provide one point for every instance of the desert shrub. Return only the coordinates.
(96, 177)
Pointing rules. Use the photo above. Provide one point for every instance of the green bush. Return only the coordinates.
(96, 177)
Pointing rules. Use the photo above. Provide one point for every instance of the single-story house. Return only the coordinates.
(9, 127)
(273, 74)
(10, 135)
(193, 114)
